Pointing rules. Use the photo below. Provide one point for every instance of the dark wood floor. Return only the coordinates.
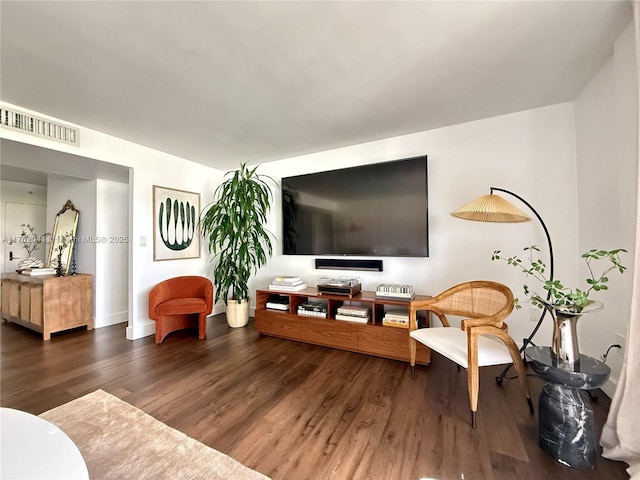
(296, 411)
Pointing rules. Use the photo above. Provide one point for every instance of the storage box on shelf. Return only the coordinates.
(371, 337)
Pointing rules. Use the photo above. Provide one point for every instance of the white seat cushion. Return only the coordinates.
(451, 342)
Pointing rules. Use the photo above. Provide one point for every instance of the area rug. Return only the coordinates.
(119, 441)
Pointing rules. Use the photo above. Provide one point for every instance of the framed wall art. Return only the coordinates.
(175, 224)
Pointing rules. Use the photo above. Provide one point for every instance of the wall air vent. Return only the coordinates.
(39, 127)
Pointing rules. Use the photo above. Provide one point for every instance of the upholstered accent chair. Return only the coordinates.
(181, 302)
(482, 338)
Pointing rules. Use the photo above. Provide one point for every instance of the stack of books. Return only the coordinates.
(354, 313)
(287, 284)
(38, 271)
(396, 318)
(278, 302)
(313, 309)
(395, 291)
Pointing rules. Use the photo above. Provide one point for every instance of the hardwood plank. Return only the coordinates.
(295, 410)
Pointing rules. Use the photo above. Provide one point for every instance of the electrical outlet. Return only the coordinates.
(534, 313)
(620, 339)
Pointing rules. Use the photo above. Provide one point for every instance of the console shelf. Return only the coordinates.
(371, 338)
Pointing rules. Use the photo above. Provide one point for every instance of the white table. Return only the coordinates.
(32, 448)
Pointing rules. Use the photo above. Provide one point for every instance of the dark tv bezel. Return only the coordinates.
(353, 169)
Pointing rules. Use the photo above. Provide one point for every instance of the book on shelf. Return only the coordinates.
(288, 288)
(394, 288)
(352, 318)
(277, 306)
(39, 271)
(288, 283)
(397, 316)
(313, 306)
(354, 310)
(309, 313)
(402, 298)
(397, 313)
(394, 291)
(394, 323)
(287, 278)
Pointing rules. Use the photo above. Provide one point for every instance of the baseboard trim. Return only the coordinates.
(113, 319)
(609, 387)
(141, 330)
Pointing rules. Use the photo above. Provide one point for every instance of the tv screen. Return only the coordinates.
(370, 210)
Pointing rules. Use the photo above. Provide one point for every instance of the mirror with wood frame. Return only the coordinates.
(63, 237)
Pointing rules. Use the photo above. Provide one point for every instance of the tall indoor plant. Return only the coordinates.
(233, 224)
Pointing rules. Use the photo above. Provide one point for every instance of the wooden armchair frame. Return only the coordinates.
(484, 305)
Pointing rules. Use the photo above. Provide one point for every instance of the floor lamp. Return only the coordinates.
(494, 208)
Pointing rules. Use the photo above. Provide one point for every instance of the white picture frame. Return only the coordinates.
(176, 233)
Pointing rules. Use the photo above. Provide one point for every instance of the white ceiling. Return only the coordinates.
(225, 82)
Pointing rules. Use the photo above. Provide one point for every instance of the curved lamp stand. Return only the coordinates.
(495, 209)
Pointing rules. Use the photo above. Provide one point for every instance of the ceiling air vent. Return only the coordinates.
(39, 127)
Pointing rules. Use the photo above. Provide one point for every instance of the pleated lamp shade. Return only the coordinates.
(491, 208)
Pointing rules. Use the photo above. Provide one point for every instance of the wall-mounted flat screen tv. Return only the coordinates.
(370, 210)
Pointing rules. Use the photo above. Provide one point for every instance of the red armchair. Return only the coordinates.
(179, 303)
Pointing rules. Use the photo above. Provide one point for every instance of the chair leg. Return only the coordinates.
(202, 326)
(160, 330)
(412, 356)
(473, 380)
(519, 366)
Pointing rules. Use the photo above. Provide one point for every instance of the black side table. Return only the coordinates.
(565, 418)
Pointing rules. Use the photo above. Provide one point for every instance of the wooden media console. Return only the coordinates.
(371, 338)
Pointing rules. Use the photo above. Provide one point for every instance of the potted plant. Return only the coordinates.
(31, 242)
(233, 225)
(565, 304)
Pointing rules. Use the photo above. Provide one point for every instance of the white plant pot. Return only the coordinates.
(237, 313)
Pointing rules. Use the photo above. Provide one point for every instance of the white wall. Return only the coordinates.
(111, 239)
(148, 167)
(82, 194)
(531, 153)
(17, 192)
(606, 145)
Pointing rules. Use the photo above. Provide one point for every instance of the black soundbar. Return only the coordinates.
(345, 264)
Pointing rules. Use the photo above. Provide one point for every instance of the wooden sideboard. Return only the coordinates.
(48, 304)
